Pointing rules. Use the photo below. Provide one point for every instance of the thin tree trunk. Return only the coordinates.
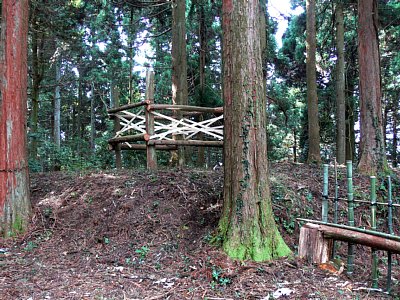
(351, 116)
(15, 207)
(372, 143)
(92, 121)
(247, 227)
(117, 126)
(395, 137)
(37, 76)
(131, 41)
(314, 155)
(179, 68)
(340, 88)
(57, 114)
(202, 77)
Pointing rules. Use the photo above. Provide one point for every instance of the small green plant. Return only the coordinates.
(106, 240)
(142, 251)
(289, 225)
(218, 278)
(130, 261)
(30, 246)
(89, 200)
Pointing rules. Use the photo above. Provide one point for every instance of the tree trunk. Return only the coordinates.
(37, 76)
(314, 155)
(340, 88)
(117, 126)
(372, 143)
(15, 207)
(395, 137)
(247, 228)
(202, 78)
(57, 106)
(351, 115)
(179, 67)
(92, 121)
(131, 41)
(57, 114)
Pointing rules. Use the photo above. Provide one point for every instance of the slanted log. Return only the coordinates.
(313, 246)
(355, 237)
(112, 111)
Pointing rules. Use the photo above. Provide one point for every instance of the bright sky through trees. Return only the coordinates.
(280, 10)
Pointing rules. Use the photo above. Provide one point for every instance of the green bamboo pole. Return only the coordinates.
(390, 227)
(350, 216)
(325, 194)
(336, 202)
(373, 227)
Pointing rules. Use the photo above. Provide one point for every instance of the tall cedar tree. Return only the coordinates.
(314, 155)
(372, 146)
(247, 228)
(179, 65)
(14, 182)
(340, 87)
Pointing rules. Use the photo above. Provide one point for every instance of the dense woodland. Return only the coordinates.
(81, 51)
(327, 92)
(85, 49)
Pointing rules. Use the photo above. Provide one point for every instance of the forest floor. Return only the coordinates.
(140, 235)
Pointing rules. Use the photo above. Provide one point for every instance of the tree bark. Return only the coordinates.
(92, 120)
(202, 78)
(340, 88)
(15, 207)
(314, 155)
(395, 137)
(179, 67)
(247, 228)
(57, 114)
(372, 141)
(37, 76)
(57, 105)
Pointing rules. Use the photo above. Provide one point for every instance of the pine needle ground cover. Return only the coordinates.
(140, 235)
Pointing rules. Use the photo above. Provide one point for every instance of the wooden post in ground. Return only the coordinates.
(313, 246)
(117, 127)
(151, 149)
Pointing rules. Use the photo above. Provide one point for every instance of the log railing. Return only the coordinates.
(148, 126)
(317, 237)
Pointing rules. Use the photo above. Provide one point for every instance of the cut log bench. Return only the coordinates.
(316, 240)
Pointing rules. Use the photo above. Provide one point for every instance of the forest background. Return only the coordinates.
(87, 50)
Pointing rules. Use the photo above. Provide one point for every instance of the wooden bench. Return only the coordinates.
(316, 239)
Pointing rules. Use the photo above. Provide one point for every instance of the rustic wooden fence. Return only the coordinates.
(317, 237)
(149, 126)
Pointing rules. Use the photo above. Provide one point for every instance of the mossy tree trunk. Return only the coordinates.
(15, 206)
(372, 140)
(314, 155)
(247, 228)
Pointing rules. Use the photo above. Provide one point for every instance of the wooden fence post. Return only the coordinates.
(150, 149)
(117, 127)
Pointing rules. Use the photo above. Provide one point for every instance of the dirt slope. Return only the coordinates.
(140, 235)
